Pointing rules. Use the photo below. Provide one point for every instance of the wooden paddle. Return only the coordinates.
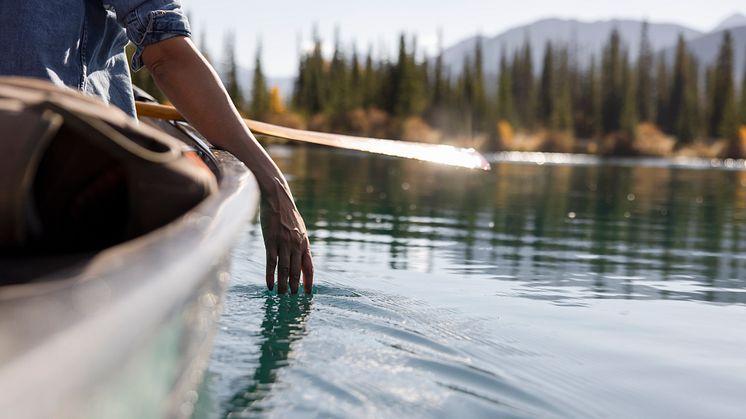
(435, 153)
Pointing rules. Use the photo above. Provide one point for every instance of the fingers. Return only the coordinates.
(271, 266)
(283, 270)
(307, 267)
(295, 272)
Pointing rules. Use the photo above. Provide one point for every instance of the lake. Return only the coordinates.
(559, 291)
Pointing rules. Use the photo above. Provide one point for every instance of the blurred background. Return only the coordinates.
(654, 78)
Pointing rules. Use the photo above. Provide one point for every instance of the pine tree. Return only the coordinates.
(612, 84)
(438, 88)
(547, 86)
(338, 84)
(683, 104)
(504, 91)
(743, 96)
(259, 95)
(356, 78)
(311, 83)
(370, 85)
(593, 101)
(524, 95)
(662, 94)
(464, 99)
(231, 72)
(406, 98)
(645, 98)
(560, 119)
(629, 115)
(478, 96)
(677, 102)
(689, 126)
(723, 118)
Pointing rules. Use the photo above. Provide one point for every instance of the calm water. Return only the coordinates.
(532, 291)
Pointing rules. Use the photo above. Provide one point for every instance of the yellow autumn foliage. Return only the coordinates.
(504, 130)
(276, 104)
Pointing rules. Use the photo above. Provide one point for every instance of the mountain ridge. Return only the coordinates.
(587, 38)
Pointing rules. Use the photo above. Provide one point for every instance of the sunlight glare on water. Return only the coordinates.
(561, 290)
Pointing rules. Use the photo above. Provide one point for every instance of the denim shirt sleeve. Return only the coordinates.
(148, 22)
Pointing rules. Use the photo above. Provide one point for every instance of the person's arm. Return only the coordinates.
(194, 88)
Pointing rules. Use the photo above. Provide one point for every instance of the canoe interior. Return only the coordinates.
(124, 331)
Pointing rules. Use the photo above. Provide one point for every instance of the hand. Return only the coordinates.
(286, 241)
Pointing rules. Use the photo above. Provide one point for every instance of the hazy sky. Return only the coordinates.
(280, 24)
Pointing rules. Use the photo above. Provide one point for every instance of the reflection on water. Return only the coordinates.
(283, 324)
(608, 231)
(532, 291)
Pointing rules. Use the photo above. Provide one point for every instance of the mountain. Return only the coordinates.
(733, 21)
(587, 37)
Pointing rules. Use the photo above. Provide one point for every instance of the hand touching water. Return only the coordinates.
(175, 63)
(286, 241)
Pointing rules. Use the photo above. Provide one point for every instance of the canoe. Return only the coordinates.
(126, 331)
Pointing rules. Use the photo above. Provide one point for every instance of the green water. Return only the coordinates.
(531, 291)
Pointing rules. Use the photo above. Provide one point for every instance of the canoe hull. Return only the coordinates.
(128, 333)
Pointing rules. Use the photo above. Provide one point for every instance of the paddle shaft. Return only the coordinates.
(435, 153)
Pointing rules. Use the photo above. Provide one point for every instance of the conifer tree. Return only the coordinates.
(677, 102)
(628, 116)
(406, 95)
(723, 118)
(478, 96)
(356, 78)
(547, 88)
(689, 127)
(437, 99)
(505, 91)
(259, 95)
(524, 94)
(464, 99)
(231, 72)
(560, 119)
(311, 95)
(743, 95)
(370, 85)
(662, 93)
(682, 111)
(592, 102)
(338, 83)
(612, 84)
(645, 98)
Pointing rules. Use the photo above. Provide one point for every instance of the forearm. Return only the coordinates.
(192, 85)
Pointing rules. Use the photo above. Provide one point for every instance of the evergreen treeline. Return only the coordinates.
(604, 104)
(605, 101)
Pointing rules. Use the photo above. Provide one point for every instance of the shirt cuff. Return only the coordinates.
(154, 21)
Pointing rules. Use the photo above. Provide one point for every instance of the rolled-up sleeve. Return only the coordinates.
(148, 22)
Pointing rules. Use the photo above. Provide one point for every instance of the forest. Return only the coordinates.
(617, 105)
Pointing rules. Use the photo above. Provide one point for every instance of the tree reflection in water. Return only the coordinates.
(284, 323)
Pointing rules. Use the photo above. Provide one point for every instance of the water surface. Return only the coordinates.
(563, 290)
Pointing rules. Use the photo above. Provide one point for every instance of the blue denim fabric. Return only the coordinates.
(80, 43)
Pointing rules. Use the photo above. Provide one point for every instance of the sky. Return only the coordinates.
(285, 27)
